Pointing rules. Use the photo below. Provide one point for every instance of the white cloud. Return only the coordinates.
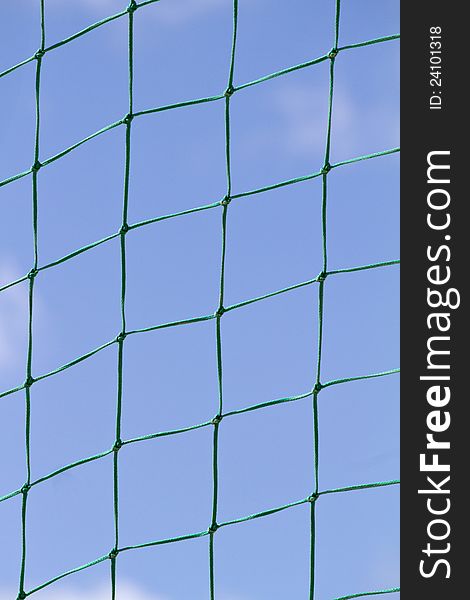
(297, 122)
(302, 110)
(125, 591)
(299, 119)
(354, 122)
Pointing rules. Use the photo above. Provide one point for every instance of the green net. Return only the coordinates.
(223, 206)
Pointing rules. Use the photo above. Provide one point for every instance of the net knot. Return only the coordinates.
(128, 118)
(326, 168)
(216, 420)
(322, 276)
(121, 337)
(213, 528)
(36, 166)
(25, 489)
(21, 596)
(229, 91)
(124, 228)
(29, 381)
(114, 552)
(132, 7)
(313, 497)
(219, 312)
(226, 200)
(317, 388)
(117, 445)
(333, 53)
(32, 274)
(39, 54)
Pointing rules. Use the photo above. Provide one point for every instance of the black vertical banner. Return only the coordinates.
(435, 253)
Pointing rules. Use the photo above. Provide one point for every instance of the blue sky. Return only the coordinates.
(182, 52)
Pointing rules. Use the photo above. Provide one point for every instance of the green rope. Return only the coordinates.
(220, 310)
(361, 377)
(312, 396)
(189, 211)
(208, 532)
(361, 486)
(66, 574)
(151, 436)
(29, 379)
(199, 101)
(122, 335)
(376, 593)
(322, 278)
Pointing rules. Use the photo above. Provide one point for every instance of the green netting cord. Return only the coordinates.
(320, 280)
